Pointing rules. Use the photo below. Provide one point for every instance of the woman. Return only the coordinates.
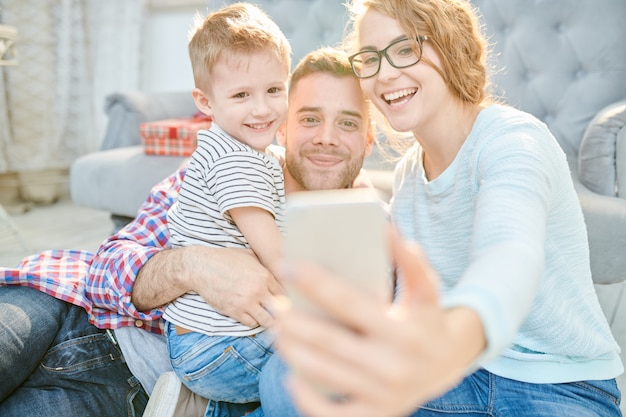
(496, 313)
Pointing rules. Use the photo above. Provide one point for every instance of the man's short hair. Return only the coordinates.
(324, 60)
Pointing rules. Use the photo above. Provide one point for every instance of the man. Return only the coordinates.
(327, 135)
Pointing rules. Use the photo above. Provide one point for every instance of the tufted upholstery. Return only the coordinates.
(307, 24)
(562, 61)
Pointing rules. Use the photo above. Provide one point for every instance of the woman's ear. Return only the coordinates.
(202, 101)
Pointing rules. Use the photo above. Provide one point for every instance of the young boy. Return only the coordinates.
(233, 193)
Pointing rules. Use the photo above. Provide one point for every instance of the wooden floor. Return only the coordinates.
(62, 225)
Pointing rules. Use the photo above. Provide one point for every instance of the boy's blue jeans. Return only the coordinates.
(53, 362)
(224, 369)
(481, 394)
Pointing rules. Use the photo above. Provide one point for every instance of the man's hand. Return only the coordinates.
(231, 280)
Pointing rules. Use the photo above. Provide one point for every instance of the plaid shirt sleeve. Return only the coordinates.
(58, 273)
(115, 266)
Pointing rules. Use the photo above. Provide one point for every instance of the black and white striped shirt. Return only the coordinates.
(223, 174)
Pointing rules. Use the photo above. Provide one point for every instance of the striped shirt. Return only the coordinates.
(223, 174)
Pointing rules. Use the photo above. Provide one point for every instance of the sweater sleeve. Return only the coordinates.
(515, 172)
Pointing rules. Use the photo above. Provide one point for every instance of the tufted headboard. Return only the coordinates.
(561, 60)
(308, 24)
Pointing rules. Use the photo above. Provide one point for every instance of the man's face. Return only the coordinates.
(327, 133)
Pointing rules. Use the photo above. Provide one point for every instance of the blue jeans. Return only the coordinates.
(275, 400)
(54, 363)
(480, 394)
(224, 369)
(485, 394)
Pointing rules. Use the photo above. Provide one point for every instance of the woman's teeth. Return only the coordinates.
(392, 98)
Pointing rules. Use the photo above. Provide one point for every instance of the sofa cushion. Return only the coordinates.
(620, 158)
(602, 153)
(128, 110)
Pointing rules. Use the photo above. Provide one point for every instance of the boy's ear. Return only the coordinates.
(281, 134)
(202, 101)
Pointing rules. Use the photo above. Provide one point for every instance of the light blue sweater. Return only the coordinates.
(503, 227)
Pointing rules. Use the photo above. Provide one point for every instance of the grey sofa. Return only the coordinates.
(562, 60)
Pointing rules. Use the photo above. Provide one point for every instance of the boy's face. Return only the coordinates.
(327, 134)
(247, 97)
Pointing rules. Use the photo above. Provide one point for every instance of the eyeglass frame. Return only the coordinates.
(383, 52)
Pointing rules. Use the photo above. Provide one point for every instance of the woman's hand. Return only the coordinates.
(385, 361)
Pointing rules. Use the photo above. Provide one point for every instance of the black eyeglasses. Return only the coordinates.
(400, 54)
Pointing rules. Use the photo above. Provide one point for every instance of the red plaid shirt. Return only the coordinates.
(101, 283)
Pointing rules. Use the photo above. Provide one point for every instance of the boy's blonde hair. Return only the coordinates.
(239, 28)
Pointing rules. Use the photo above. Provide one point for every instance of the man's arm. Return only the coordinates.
(231, 280)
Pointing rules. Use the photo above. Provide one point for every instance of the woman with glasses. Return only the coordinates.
(496, 313)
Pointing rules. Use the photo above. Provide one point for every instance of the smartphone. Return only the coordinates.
(344, 231)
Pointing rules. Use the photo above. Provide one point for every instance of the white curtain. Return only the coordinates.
(5, 128)
(71, 54)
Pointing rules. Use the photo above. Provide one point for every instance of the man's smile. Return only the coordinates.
(322, 159)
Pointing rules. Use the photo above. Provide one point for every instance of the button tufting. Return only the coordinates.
(528, 75)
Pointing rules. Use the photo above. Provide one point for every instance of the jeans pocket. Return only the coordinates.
(605, 388)
(81, 354)
(93, 373)
(225, 372)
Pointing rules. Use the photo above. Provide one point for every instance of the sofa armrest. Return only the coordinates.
(127, 110)
(119, 180)
(605, 217)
